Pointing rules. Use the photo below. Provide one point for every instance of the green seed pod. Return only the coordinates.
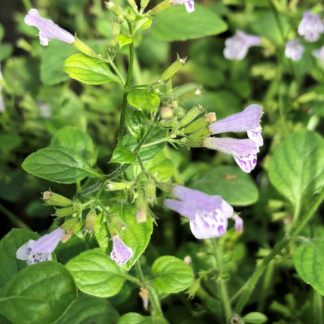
(54, 199)
(90, 221)
(68, 211)
(173, 69)
(194, 126)
(115, 186)
(133, 4)
(116, 9)
(71, 226)
(192, 114)
(150, 191)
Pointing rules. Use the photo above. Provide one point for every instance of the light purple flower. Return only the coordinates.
(311, 27)
(189, 4)
(237, 46)
(47, 29)
(208, 215)
(41, 249)
(294, 50)
(120, 253)
(319, 53)
(244, 151)
(247, 120)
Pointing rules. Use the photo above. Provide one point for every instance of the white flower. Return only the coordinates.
(311, 27)
(294, 50)
(236, 47)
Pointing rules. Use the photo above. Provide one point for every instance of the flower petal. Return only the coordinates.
(247, 163)
(120, 253)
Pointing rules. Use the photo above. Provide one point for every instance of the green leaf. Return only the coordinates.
(144, 99)
(236, 187)
(122, 154)
(296, 168)
(88, 70)
(135, 235)
(161, 167)
(38, 294)
(309, 263)
(87, 310)
(57, 164)
(52, 62)
(124, 40)
(96, 274)
(75, 140)
(9, 245)
(171, 275)
(134, 318)
(255, 318)
(175, 24)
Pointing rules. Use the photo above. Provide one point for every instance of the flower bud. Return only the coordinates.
(90, 221)
(71, 226)
(150, 191)
(68, 211)
(133, 4)
(210, 118)
(173, 69)
(144, 294)
(116, 9)
(84, 48)
(141, 216)
(166, 113)
(115, 186)
(54, 199)
(192, 114)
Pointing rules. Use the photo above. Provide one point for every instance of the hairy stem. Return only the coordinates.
(128, 82)
(248, 287)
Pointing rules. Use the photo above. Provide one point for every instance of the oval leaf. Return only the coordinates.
(171, 275)
(41, 293)
(88, 70)
(236, 187)
(144, 99)
(96, 274)
(309, 263)
(58, 164)
(296, 169)
(175, 24)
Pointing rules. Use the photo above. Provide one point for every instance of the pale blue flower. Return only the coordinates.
(47, 29)
(311, 27)
(208, 215)
(294, 50)
(120, 253)
(41, 249)
(237, 46)
(319, 53)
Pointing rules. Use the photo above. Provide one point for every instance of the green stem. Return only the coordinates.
(163, 140)
(13, 218)
(117, 71)
(224, 297)
(317, 308)
(153, 296)
(248, 287)
(128, 82)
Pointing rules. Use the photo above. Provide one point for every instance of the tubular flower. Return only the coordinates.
(189, 4)
(237, 47)
(311, 27)
(120, 253)
(319, 53)
(48, 30)
(208, 215)
(294, 50)
(41, 249)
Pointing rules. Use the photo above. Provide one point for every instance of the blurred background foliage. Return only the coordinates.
(40, 99)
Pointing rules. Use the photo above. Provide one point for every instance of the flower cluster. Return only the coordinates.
(310, 27)
(208, 215)
(244, 151)
(237, 47)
